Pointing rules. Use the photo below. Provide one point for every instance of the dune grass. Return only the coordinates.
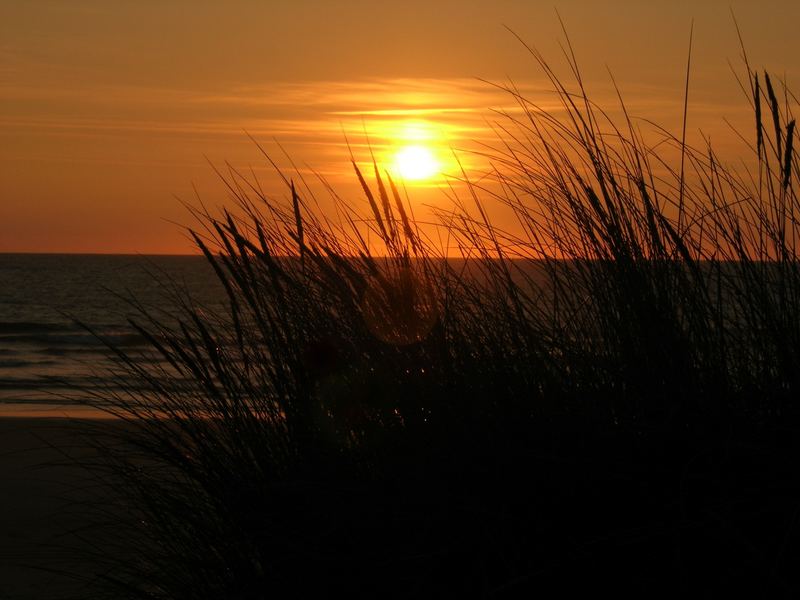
(601, 398)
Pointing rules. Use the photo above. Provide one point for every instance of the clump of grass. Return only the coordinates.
(567, 399)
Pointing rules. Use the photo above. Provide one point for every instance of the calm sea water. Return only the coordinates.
(46, 356)
(44, 353)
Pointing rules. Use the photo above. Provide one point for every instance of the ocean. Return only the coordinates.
(56, 310)
(46, 353)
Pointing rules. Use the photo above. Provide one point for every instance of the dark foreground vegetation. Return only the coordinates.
(604, 400)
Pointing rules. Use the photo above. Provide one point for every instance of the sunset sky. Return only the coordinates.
(109, 109)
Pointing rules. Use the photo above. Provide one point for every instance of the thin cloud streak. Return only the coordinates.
(314, 120)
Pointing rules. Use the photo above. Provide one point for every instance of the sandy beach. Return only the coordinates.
(41, 519)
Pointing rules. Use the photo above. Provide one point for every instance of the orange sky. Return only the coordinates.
(110, 108)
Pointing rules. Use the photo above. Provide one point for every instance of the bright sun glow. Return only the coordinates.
(415, 162)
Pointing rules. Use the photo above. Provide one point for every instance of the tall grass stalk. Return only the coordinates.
(569, 397)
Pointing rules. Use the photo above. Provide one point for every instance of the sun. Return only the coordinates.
(415, 162)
